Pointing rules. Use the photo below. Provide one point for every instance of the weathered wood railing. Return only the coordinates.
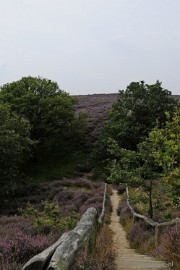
(100, 220)
(151, 222)
(61, 255)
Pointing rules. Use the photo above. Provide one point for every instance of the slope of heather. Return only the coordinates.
(96, 106)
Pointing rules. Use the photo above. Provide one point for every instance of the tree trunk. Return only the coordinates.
(150, 201)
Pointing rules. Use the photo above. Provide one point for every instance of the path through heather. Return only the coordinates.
(127, 258)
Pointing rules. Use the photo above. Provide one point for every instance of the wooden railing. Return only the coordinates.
(100, 220)
(151, 222)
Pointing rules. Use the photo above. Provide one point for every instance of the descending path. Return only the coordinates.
(127, 258)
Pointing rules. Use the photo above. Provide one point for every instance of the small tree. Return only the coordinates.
(124, 167)
(166, 152)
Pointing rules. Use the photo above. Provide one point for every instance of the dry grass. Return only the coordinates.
(102, 257)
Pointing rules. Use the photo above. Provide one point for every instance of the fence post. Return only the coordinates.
(156, 235)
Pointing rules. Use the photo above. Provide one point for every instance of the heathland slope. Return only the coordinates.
(97, 106)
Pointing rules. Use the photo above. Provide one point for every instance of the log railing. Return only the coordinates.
(62, 254)
(151, 222)
(100, 220)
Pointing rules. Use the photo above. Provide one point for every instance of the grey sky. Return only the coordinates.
(91, 46)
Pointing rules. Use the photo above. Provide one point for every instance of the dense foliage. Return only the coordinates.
(49, 109)
(137, 111)
(15, 146)
(37, 118)
(166, 152)
(156, 159)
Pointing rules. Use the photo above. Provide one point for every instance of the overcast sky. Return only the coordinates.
(91, 46)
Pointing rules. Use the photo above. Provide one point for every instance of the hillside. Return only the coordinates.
(97, 106)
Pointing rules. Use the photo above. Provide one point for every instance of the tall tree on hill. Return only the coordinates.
(138, 109)
(49, 109)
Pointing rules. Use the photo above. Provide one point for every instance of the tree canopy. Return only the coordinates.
(49, 109)
(138, 109)
(136, 112)
(37, 118)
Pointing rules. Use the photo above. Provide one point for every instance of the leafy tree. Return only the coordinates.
(124, 167)
(137, 111)
(49, 109)
(100, 156)
(166, 152)
(15, 146)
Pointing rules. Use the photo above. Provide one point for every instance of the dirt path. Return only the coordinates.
(127, 258)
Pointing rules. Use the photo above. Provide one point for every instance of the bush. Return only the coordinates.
(169, 247)
(141, 237)
(121, 188)
(49, 218)
(19, 241)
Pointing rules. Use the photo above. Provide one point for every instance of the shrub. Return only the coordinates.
(121, 188)
(141, 237)
(95, 200)
(169, 247)
(49, 218)
(19, 242)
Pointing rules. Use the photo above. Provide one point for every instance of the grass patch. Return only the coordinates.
(103, 255)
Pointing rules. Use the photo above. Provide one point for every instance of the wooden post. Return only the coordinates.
(156, 235)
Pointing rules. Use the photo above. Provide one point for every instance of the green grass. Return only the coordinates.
(56, 167)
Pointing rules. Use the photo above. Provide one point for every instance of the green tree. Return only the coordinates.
(124, 166)
(49, 109)
(166, 152)
(137, 111)
(15, 146)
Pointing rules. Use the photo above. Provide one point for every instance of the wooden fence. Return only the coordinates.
(62, 254)
(151, 222)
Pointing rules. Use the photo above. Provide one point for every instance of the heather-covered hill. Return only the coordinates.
(97, 106)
